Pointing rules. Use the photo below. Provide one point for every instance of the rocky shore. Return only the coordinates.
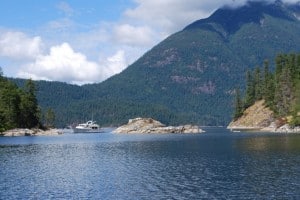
(149, 125)
(30, 132)
(282, 129)
(260, 118)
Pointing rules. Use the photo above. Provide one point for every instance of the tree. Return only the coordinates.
(280, 90)
(298, 67)
(284, 89)
(238, 104)
(250, 90)
(49, 118)
(266, 77)
(9, 104)
(29, 106)
(268, 85)
(18, 108)
(258, 84)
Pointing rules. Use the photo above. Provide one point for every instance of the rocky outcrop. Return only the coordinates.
(260, 118)
(149, 125)
(281, 129)
(255, 117)
(31, 132)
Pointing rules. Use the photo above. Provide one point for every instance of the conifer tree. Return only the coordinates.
(279, 65)
(250, 90)
(9, 104)
(280, 90)
(292, 65)
(258, 86)
(238, 104)
(30, 110)
(284, 86)
(298, 67)
(49, 118)
(266, 77)
(268, 86)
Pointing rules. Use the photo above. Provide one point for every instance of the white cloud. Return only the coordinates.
(62, 64)
(66, 65)
(118, 43)
(114, 64)
(169, 15)
(17, 45)
(133, 35)
(172, 15)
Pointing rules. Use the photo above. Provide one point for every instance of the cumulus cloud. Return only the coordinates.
(169, 15)
(106, 48)
(113, 64)
(17, 45)
(173, 15)
(64, 64)
(133, 35)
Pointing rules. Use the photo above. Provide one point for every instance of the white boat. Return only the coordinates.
(88, 127)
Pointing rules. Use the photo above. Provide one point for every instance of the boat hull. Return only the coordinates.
(88, 127)
(87, 130)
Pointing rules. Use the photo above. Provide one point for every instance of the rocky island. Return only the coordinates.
(30, 132)
(149, 125)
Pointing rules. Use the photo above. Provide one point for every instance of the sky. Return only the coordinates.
(81, 42)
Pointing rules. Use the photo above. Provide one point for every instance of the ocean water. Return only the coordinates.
(214, 165)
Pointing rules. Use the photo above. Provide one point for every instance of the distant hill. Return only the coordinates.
(190, 76)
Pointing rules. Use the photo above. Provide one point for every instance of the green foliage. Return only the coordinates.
(18, 108)
(280, 90)
(238, 105)
(9, 104)
(258, 82)
(29, 106)
(49, 118)
(268, 85)
(250, 90)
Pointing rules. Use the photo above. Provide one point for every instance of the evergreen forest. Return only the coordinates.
(280, 89)
(18, 107)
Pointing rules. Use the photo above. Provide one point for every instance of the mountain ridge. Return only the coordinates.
(238, 16)
(190, 76)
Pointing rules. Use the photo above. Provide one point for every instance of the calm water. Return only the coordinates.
(213, 165)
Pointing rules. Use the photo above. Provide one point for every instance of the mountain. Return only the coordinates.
(190, 76)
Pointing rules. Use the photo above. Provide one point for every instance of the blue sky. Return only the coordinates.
(34, 13)
(80, 42)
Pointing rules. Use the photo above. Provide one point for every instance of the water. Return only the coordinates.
(214, 165)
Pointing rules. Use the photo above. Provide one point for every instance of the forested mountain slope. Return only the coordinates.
(189, 77)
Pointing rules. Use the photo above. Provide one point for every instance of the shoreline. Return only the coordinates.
(17, 132)
(270, 129)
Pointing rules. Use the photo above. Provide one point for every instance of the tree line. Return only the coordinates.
(19, 107)
(280, 89)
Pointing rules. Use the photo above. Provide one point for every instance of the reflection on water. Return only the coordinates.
(214, 165)
(272, 161)
(280, 143)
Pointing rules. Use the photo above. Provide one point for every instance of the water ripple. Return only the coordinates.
(154, 167)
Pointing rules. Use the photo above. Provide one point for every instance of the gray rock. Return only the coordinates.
(149, 125)
(287, 129)
(30, 132)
